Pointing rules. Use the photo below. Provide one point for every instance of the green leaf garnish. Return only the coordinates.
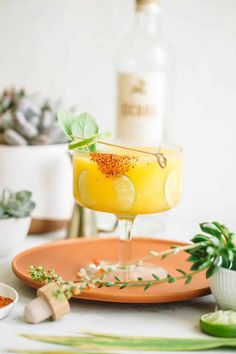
(65, 120)
(84, 125)
(82, 130)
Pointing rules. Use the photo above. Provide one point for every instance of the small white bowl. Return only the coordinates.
(13, 232)
(7, 291)
(223, 288)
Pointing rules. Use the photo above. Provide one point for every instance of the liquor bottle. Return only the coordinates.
(144, 78)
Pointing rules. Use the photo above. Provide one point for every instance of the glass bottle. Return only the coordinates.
(144, 78)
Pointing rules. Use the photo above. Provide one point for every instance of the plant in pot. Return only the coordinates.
(15, 211)
(30, 136)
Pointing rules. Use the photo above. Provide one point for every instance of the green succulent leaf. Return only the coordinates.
(211, 270)
(199, 238)
(211, 229)
(233, 266)
(222, 228)
(200, 265)
(226, 263)
(16, 205)
(193, 258)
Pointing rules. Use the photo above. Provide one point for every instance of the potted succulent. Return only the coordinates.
(33, 146)
(15, 211)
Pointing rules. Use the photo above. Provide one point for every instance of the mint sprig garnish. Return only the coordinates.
(82, 130)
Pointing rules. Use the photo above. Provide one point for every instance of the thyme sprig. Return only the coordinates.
(213, 248)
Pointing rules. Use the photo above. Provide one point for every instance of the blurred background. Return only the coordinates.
(66, 48)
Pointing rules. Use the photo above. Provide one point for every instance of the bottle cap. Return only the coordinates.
(140, 4)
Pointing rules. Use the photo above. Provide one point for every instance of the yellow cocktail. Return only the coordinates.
(120, 179)
(128, 182)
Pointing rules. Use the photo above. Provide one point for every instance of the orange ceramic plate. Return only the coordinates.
(66, 257)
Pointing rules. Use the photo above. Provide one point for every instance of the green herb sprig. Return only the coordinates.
(82, 130)
(213, 248)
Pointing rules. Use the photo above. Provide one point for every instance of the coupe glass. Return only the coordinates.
(128, 181)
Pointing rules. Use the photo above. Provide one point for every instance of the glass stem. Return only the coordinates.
(125, 227)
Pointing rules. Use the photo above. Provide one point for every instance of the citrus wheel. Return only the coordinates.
(125, 192)
(219, 324)
(172, 188)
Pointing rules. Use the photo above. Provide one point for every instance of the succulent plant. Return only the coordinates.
(28, 119)
(17, 205)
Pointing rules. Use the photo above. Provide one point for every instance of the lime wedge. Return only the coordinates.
(125, 192)
(172, 188)
(83, 187)
(219, 324)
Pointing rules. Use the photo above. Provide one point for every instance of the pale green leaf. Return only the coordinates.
(84, 126)
(65, 120)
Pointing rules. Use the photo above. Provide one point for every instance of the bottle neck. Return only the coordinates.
(147, 19)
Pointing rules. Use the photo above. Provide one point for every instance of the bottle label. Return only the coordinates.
(141, 99)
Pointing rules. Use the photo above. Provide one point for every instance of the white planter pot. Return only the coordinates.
(13, 232)
(223, 288)
(46, 171)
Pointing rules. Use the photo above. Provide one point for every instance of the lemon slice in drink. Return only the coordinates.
(125, 192)
(219, 324)
(83, 187)
(172, 188)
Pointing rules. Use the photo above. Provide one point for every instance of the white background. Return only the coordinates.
(65, 48)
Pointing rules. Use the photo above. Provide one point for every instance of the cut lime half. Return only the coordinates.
(172, 188)
(219, 324)
(125, 192)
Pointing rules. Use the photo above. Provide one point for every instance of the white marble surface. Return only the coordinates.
(173, 320)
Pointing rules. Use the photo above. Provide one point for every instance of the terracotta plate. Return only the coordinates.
(66, 257)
